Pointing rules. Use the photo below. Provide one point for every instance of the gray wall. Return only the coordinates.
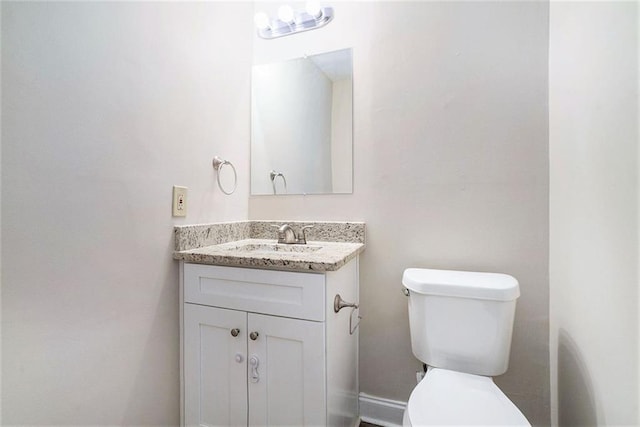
(593, 143)
(105, 107)
(451, 169)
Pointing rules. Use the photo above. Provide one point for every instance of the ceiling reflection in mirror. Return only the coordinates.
(301, 125)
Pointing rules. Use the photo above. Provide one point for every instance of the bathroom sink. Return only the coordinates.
(275, 247)
(265, 252)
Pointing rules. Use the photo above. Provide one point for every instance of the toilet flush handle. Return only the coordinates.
(405, 291)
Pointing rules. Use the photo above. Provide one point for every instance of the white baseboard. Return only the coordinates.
(381, 411)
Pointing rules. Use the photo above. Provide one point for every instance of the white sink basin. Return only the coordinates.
(275, 247)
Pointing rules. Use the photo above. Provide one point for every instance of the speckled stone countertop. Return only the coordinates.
(330, 245)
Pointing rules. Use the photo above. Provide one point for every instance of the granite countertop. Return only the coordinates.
(330, 245)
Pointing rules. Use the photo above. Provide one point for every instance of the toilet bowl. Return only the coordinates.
(446, 397)
(461, 326)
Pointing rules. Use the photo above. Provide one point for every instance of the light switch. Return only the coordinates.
(179, 201)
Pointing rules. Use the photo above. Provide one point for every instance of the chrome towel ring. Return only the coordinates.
(218, 163)
(339, 304)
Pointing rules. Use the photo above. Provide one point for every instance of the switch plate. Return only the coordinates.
(179, 201)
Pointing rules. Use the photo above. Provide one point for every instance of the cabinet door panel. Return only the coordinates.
(215, 382)
(288, 385)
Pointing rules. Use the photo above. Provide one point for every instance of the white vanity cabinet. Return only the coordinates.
(265, 347)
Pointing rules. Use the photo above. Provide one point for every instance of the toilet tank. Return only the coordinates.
(460, 320)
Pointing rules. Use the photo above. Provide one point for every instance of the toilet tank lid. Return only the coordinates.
(464, 284)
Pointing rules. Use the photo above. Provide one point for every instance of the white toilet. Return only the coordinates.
(461, 324)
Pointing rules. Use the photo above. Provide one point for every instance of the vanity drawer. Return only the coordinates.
(280, 293)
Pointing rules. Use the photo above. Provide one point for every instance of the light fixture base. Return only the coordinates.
(301, 22)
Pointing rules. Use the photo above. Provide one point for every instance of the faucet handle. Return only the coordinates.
(302, 237)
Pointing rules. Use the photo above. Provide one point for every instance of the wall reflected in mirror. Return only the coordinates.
(302, 125)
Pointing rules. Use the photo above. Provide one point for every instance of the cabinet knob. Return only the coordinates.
(235, 332)
(239, 358)
(254, 335)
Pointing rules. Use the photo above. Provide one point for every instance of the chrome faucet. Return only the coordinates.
(287, 235)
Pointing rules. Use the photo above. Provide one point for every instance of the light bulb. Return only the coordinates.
(285, 13)
(314, 9)
(261, 20)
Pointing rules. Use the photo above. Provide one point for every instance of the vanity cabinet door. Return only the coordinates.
(215, 375)
(286, 368)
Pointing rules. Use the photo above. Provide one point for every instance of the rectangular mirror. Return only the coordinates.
(301, 125)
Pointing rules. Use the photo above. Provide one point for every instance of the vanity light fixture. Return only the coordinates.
(290, 21)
